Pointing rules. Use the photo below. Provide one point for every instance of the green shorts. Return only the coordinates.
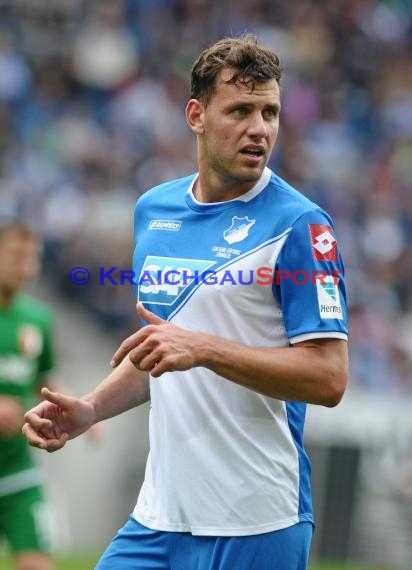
(25, 520)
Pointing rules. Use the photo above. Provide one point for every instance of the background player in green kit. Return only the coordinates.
(26, 359)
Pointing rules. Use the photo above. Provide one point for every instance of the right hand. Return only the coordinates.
(50, 424)
(11, 416)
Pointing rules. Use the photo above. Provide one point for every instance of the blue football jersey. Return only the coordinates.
(264, 270)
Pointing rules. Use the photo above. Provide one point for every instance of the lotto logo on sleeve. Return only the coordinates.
(324, 245)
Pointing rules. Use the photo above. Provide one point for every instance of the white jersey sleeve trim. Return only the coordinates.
(315, 335)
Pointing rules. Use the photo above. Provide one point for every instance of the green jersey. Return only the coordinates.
(25, 354)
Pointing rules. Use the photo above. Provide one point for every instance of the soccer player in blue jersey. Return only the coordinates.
(240, 287)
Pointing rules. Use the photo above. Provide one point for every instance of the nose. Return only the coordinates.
(257, 127)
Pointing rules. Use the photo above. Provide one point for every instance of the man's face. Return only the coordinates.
(240, 130)
(19, 260)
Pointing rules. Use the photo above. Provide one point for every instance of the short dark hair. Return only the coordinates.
(251, 62)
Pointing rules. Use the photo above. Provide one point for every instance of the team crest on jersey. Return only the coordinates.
(29, 340)
(239, 229)
(324, 245)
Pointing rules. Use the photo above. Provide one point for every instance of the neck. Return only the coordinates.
(208, 188)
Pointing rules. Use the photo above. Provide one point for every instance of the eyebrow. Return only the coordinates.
(273, 106)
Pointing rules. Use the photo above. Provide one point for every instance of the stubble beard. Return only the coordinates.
(236, 173)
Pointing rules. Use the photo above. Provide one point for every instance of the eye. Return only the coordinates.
(240, 111)
(270, 113)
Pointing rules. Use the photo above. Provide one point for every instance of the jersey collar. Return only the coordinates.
(213, 206)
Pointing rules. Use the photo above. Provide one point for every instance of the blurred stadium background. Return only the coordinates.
(91, 114)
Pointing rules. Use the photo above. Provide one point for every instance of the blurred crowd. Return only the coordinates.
(92, 97)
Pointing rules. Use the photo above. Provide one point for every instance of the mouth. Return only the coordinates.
(253, 151)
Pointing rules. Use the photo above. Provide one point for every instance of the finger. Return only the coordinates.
(36, 421)
(147, 360)
(35, 440)
(48, 433)
(160, 368)
(64, 402)
(145, 349)
(56, 444)
(163, 364)
(130, 342)
(148, 316)
(33, 437)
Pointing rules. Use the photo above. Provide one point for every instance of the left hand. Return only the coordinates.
(58, 418)
(160, 346)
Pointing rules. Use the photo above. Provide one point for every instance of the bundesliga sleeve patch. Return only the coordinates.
(330, 306)
(324, 245)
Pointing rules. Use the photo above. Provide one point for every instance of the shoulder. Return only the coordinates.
(165, 192)
(294, 205)
(289, 195)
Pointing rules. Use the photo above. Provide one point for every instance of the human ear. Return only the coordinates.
(195, 116)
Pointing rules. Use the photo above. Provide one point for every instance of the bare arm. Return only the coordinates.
(50, 424)
(313, 371)
(124, 388)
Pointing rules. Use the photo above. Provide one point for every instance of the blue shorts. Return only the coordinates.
(136, 547)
